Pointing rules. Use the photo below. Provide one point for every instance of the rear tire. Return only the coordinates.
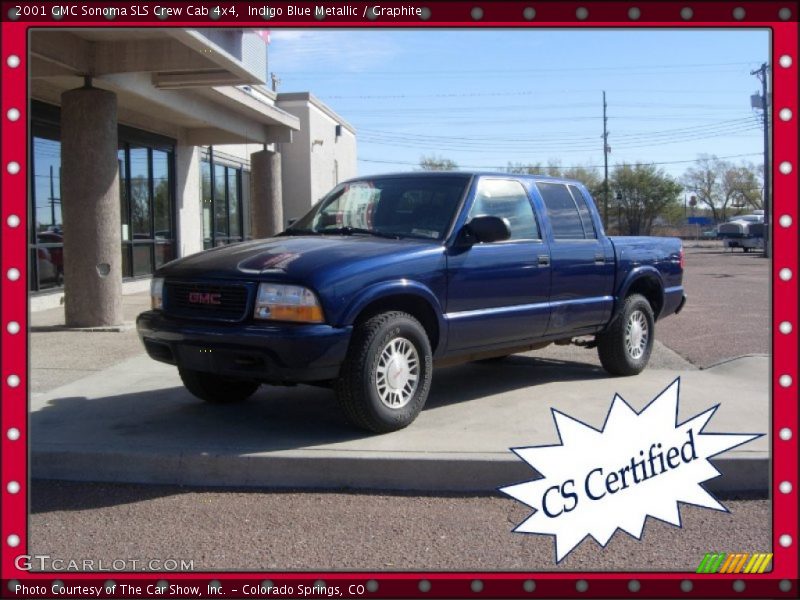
(216, 389)
(625, 347)
(385, 379)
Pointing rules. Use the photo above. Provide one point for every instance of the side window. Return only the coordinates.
(562, 211)
(583, 210)
(508, 200)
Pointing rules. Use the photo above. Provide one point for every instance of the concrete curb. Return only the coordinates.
(135, 423)
(480, 474)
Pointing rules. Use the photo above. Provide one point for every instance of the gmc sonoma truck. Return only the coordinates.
(388, 276)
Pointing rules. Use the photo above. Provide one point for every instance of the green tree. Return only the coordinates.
(643, 193)
(437, 163)
(741, 186)
(588, 176)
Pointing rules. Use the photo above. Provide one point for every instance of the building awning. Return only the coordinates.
(203, 85)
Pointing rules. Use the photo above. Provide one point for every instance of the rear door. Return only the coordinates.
(498, 293)
(581, 296)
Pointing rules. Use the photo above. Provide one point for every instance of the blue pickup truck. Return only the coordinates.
(388, 276)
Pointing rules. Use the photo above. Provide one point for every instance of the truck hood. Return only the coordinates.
(300, 258)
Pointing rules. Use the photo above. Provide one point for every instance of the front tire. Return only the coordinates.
(216, 389)
(385, 379)
(625, 348)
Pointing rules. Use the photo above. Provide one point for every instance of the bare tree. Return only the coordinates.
(721, 185)
(437, 163)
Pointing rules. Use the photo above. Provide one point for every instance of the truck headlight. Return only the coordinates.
(287, 303)
(157, 293)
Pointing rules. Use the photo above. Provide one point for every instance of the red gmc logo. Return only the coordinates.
(205, 298)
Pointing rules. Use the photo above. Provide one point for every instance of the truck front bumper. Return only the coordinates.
(266, 352)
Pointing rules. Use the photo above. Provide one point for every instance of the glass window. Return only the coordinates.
(421, 207)
(48, 247)
(222, 204)
(146, 200)
(147, 203)
(508, 200)
(140, 193)
(234, 225)
(142, 259)
(564, 217)
(583, 211)
(208, 204)
(123, 194)
(161, 195)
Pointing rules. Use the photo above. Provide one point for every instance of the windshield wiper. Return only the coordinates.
(351, 230)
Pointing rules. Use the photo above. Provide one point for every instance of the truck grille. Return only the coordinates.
(206, 301)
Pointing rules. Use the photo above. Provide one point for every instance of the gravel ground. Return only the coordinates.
(729, 307)
(253, 530)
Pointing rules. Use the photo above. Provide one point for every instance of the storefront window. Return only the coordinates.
(148, 185)
(146, 200)
(47, 248)
(222, 203)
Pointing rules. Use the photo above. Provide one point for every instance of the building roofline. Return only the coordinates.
(316, 102)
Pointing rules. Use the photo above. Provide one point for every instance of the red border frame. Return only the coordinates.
(14, 304)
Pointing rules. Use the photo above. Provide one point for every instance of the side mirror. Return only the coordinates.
(485, 229)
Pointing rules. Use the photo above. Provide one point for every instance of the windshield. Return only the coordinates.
(419, 207)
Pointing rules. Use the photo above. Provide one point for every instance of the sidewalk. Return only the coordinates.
(134, 422)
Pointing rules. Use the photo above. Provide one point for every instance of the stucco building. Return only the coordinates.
(151, 144)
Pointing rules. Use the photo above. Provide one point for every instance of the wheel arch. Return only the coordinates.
(412, 298)
(646, 281)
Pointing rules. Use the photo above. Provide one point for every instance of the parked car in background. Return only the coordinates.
(744, 231)
(388, 276)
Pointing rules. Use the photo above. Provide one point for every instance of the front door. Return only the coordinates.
(498, 293)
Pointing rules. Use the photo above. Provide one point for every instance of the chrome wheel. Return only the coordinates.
(398, 371)
(637, 334)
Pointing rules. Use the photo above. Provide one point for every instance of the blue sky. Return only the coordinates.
(484, 98)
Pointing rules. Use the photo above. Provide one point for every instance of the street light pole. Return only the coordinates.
(605, 164)
(761, 73)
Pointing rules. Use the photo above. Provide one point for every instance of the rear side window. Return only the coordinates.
(583, 211)
(508, 200)
(562, 211)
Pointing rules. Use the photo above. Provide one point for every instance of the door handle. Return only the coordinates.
(544, 260)
(599, 259)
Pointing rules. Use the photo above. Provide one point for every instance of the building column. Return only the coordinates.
(266, 201)
(90, 208)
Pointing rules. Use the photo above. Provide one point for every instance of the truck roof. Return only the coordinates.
(467, 174)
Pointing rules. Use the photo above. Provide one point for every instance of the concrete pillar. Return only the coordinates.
(90, 208)
(189, 198)
(266, 201)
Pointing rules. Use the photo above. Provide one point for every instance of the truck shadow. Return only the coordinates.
(155, 425)
(171, 420)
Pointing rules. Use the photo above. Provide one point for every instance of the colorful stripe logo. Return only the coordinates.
(741, 562)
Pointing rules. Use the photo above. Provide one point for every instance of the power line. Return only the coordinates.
(565, 147)
(553, 135)
(504, 167)
(417, 73)
(520, 93)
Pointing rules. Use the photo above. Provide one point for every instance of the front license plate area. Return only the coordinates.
(197, 358)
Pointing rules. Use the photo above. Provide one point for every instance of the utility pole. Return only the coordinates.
(605, 164)
(762, 76)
